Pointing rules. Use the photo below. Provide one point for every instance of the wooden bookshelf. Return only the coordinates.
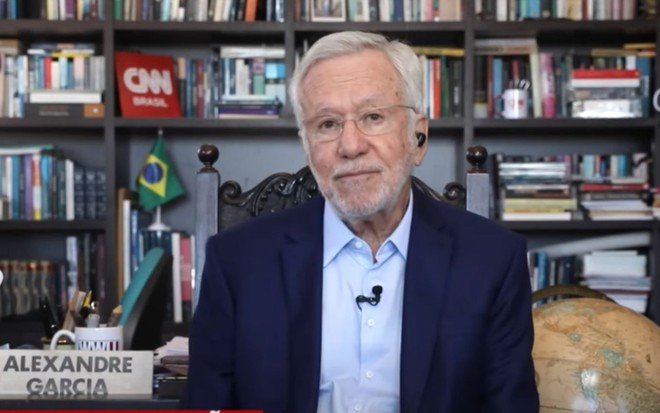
(113, 132)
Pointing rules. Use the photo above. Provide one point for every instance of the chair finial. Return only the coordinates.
(208, 154)
(477, 156)
(454, 192)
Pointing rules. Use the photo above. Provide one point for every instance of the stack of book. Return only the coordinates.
(606, 93)
(248, 107)
(621, 274)
(249, 82)
(534, 190)
(614, 187)
(615, 201)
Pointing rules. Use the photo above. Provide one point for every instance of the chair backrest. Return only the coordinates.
(220, 205)
(144, 301)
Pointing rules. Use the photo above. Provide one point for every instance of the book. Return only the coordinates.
(146, 85)
(65, 110)
(64, 96)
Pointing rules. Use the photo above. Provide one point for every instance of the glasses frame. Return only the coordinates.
(352, 117)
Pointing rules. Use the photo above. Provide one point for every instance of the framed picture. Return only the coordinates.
(329, 10)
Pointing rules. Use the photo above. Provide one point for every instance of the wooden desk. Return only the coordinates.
(110, 403)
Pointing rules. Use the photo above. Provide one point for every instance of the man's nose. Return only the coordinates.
(352, 142)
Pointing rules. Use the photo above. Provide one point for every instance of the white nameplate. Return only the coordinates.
(75, 373)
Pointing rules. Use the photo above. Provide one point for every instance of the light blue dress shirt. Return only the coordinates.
(361, 350)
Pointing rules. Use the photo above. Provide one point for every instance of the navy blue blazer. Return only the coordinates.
(255, 339)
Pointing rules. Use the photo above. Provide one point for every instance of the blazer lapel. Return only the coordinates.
(427, 269)
(302, 272)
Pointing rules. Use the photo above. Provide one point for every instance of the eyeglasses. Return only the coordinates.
(370, 121)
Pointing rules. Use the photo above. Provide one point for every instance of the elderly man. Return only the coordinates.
(373, 297)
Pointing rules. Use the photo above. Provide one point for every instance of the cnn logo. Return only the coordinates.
(140, 81)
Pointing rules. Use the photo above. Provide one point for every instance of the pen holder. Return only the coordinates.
(515, 104)
(93, 338)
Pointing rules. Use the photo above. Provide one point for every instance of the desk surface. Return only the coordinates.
(111, 403)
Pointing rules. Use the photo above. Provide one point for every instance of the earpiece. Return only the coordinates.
(421, 138)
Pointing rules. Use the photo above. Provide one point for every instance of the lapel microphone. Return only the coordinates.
(376, 290)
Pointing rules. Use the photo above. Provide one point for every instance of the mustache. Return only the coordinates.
(355, 167)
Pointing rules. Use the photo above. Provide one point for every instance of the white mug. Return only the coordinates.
(93, 338)
(656, 100)
(515, 104)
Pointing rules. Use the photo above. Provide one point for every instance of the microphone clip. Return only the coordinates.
(376, 290)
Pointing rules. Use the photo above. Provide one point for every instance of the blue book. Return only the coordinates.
(498, 82)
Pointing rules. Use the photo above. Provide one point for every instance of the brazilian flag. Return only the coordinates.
(157, 183)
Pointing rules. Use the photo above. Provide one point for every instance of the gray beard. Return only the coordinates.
(384, 200)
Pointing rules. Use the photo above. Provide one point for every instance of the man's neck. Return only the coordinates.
(375, 229)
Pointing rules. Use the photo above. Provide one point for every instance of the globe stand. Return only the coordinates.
(158, 225)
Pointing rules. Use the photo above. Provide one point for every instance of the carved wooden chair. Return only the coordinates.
(219, 205)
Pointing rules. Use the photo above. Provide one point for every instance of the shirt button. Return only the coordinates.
(371, 322)
(358, 244)
(357, 407)
(370, 374)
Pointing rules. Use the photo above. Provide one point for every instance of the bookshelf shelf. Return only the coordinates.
(31, 28)
(572, 226)
(52, 226)
(49, 123)
(286, 124)
(404, 28)
(564, 28)
(224, 27)
(197, 32)
(446, 123)
(590, 124)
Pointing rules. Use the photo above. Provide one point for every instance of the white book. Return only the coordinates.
(246, 52)
(9, 188)
(72, 268)
(609, 265)
(176, 277)
(65, 96)
(536, 216)
(126, 234)
(24, 150)
(605, 83)
(68, 190)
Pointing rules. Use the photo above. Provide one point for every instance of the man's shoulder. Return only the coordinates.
(269, 224)
(471, 227)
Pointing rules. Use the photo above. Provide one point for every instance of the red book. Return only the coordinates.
(147, 85)
(602, 187)
(605, 74)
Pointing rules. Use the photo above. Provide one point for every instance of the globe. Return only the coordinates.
(593, 355)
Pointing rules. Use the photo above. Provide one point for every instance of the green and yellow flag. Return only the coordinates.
(157, 183)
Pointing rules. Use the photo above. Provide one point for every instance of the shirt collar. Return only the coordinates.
(336, 235)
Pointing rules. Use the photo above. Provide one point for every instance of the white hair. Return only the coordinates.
(403, 58)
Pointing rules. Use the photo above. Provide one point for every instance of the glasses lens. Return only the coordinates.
(371, 122)
(325, 128)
